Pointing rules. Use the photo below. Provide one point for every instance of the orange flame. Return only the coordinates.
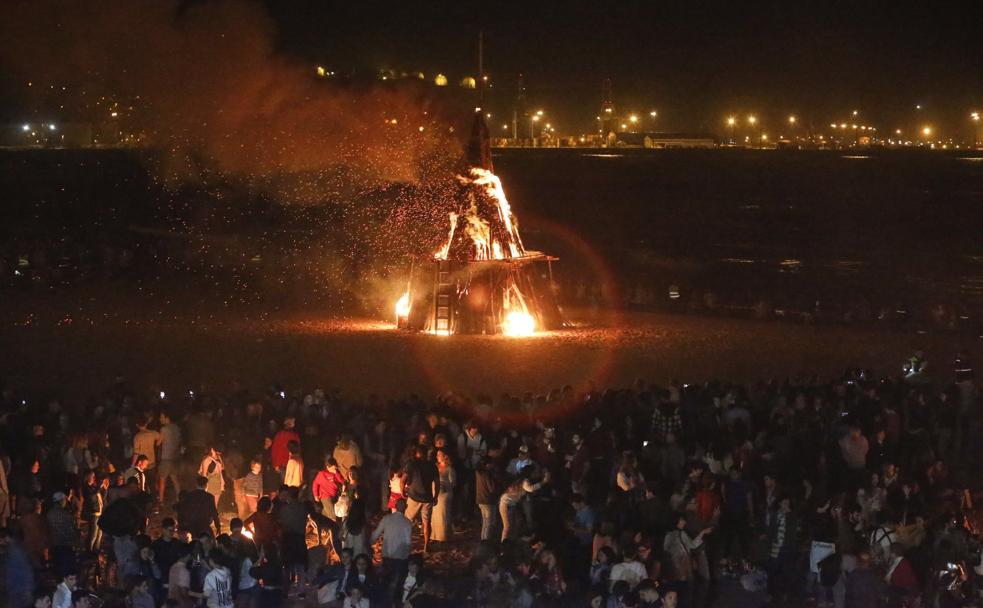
(487, 243)
(403, 306)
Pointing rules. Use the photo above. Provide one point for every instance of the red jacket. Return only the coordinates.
(904, 578)
(279, 453)
(327, 484)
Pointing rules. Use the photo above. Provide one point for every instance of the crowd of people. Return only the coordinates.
(855, 493)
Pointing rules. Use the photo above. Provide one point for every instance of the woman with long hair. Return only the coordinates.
(440, 527)
(353, 526)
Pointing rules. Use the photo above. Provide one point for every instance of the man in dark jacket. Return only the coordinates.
(486, 495)
(196, 510)
(421, 483)
(783, 538)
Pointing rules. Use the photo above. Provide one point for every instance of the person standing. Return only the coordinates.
(396, 532)
(327, 487)
(486, 495)
(211, 469)
(64, 535)
(170, 455)
(279, 449)
(471, 451)
(422, 480)
(197, 511)
(252, 486)
(146, 442)
(347, 454)
(138, 471)
(217, 589)
(93, 502)
(440, 530)
(293, 473)
(509, 505)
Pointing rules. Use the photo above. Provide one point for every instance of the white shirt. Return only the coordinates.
(218, 588)
(633, 572)
(350, 603)
(62, 597)
(246, 581)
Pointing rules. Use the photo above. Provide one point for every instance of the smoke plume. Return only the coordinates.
(208, 89)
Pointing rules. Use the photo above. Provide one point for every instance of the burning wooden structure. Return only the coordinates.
(482, 280)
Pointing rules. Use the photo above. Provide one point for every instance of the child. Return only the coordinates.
(252, 486)
(397, 481)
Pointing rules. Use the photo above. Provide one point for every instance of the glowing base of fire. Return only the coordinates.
(403, 306)
(518, 323)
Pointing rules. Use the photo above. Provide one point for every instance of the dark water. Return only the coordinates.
(855, 231)
(838, 234)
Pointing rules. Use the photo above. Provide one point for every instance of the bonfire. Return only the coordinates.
(481, 280)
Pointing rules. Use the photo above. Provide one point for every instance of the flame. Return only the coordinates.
(403, 306)
(488, 241)
(518, 323)
(484, 228)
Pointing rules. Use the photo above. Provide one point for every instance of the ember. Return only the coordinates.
(483, 280)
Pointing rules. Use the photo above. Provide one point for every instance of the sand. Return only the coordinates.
(78, 349)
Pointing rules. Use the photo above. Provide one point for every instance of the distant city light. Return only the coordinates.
(731, 120)
(51, 127)
(653, 113)
(440, 80)
(752, 119)
(25, 127)
(633, 118)
(539, 113)
(791, 120)
(855, 112)
(926, 131)
(321, 71)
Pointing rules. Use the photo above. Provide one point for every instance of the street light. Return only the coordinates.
(653, 113)
(731, 122)
(532, 125)
(752, 119)
(926, 131)
(791, 120)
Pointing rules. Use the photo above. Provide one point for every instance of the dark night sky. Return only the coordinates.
(695, 60)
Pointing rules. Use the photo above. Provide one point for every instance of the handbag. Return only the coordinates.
(341, 506)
